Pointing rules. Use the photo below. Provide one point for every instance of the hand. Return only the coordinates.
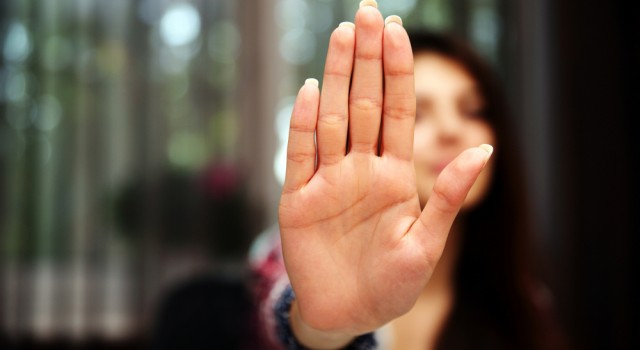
(357, 247)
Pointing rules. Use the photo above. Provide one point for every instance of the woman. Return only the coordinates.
(365, 212)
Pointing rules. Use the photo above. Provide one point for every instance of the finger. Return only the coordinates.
(398, 116)
(333, 119)
(365, 99)
(301, 148)
(449, 192)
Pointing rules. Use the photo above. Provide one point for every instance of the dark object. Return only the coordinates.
(207, 312)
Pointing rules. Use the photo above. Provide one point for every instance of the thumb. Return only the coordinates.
(449, 192)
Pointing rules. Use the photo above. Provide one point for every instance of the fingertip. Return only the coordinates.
(397, 44)
(306, 104)
(392, 19)
(369, 17)
(310, 90)
(396, 37)
(350, 25)
(488, 149)
(370, 3)
(311, 82)
(343, 38)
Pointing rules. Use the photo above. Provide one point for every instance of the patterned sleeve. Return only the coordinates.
(274, 296)
(270, 280)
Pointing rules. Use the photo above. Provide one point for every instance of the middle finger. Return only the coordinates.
(365, 98)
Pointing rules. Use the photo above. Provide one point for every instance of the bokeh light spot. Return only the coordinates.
(180, 25)
(298, 46)
(291, 14)
(17, 45)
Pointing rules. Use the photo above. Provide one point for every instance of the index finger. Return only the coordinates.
(398, 114)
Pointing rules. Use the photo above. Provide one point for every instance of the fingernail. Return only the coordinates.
(393, 19)
(311, 81)
(347, 24)
(368, 3)
(487, 148)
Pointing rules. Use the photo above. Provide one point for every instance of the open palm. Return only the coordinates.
(357, 246)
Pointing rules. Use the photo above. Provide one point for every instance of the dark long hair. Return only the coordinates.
(495, 283)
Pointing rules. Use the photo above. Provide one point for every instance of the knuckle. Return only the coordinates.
(367, 104)
(299, 156)
(447, 202)
(362, 146)
(330, 158)
(369, 54)
(332, 118)
(401, 112)
(344, 74)
(398, 72)
(302, 128)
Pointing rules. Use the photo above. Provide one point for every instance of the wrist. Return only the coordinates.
(295, 334)
(314, 338)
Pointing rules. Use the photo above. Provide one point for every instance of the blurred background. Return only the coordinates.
(142, 147)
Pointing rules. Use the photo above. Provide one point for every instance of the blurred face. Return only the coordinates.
(449, 120)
